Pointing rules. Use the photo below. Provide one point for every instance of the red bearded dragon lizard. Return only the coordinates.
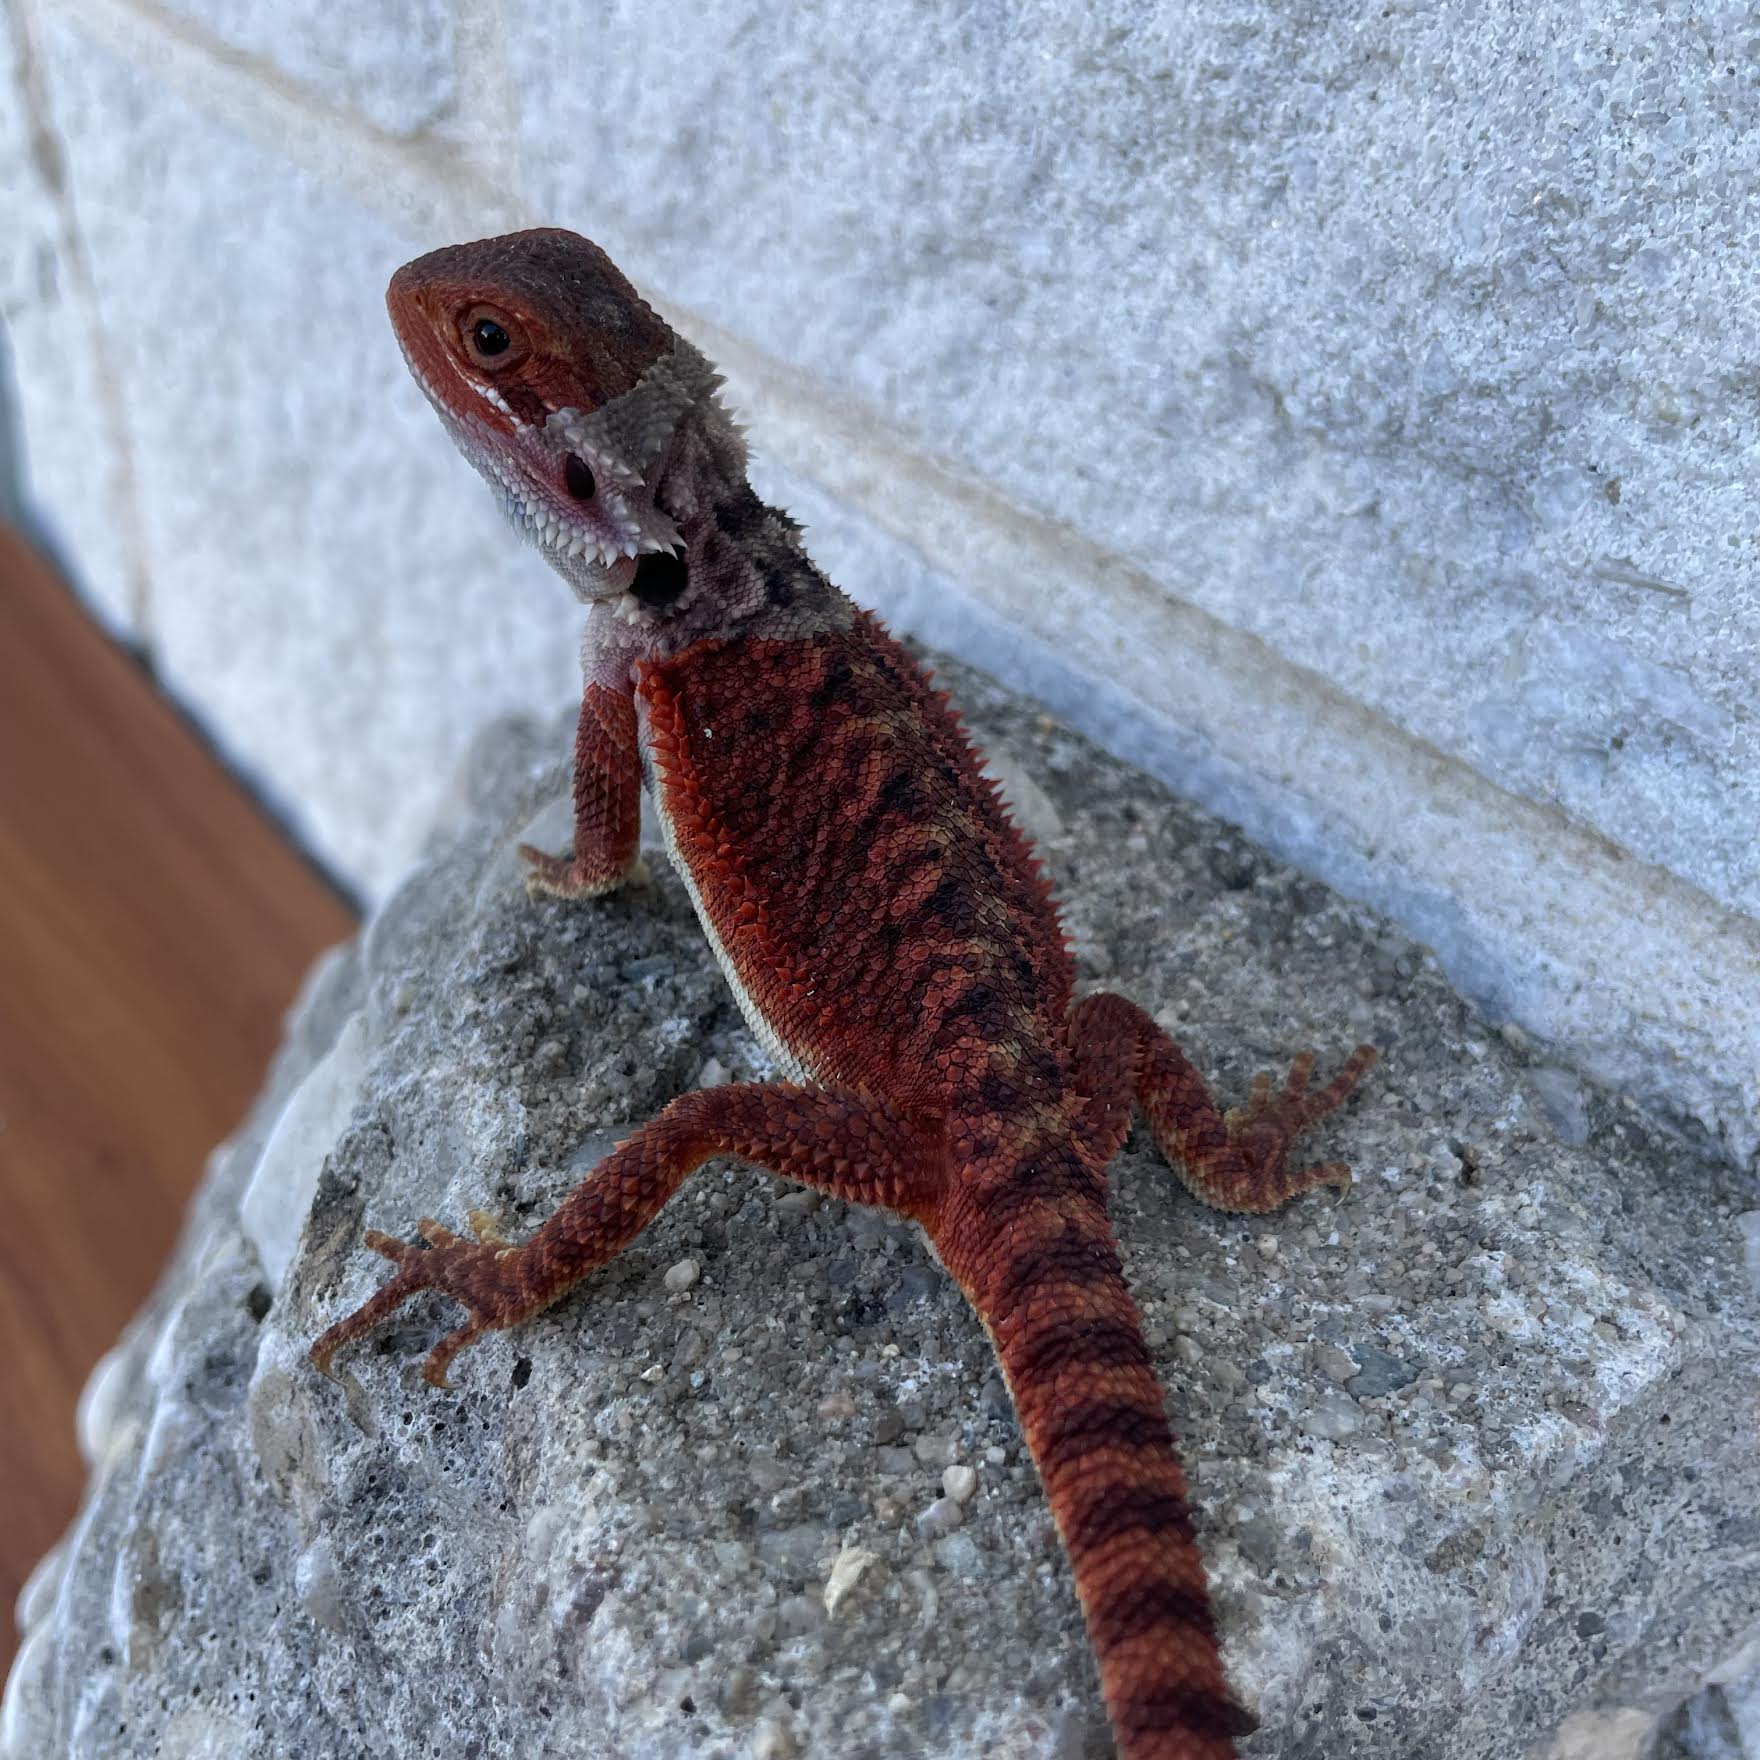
(884, 925)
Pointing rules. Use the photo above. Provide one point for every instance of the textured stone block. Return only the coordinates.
(1347, 416)
(392, 60)
(1473, 1448)
(66, 450)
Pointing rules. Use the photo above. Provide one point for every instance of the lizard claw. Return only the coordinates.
(483, 1275)
(551, 876)
(486, 1228)
(1269, 1122)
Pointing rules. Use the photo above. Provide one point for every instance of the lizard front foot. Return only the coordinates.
(485, 1275)
(551, 876)
(1263, 1129)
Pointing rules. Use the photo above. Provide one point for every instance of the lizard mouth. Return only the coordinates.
(591, 518)
(577, 484)
(569, 525)
(589, 513)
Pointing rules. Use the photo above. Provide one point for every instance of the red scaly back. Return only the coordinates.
(872, 896)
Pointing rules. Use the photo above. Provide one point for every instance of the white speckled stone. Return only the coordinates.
(392, 61)
(685, 1529)
(64, 454)
(272, 1210)
(1415, 341)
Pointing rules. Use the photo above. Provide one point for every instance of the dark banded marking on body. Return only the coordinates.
(741, 514)
(1106, 1511)
(1066, 1260)
(1203, 1711)
(1139, 1608)
(1083, 1342)
(1066, 1435)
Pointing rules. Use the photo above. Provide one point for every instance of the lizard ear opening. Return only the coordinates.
(577, 477)
(491, 339)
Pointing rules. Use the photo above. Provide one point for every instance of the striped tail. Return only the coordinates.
(1049, 1285)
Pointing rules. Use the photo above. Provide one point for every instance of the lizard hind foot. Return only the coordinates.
(482, 1275)
(1263, 1129)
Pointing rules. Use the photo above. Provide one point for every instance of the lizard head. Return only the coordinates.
(561, 385)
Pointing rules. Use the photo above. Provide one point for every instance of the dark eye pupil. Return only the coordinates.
(489, 337)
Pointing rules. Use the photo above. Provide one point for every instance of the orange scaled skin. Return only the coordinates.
(889, 933)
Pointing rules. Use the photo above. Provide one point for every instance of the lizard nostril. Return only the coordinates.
(578, 478)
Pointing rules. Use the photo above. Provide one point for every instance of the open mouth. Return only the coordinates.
(562, 505)
(575, 483)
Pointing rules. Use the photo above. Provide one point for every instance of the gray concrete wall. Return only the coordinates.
(1348, 412)
(11, 465)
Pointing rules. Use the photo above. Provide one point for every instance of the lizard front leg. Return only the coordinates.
(1233, 1160)
(855, 1148)
(607, 803)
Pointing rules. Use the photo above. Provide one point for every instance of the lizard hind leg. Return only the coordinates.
(1234, 1160)
(852, 1147)
(1264, 1127)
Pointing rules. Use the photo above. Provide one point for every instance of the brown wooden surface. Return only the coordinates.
(154, 924)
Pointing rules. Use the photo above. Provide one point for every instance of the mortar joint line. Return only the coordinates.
(50, 163)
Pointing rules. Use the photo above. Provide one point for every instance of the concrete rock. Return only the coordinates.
(623, 1530)
(395, 63)
(68, 450)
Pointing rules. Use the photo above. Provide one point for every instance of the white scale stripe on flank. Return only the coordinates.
(788, 1064)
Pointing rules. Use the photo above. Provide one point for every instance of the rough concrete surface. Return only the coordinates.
(395, 64)
(11, 502)
(67, 444)
(1474, 1450)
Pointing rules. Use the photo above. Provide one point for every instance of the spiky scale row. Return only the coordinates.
(888, 932)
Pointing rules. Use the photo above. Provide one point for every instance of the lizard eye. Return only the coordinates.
(491, 338)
